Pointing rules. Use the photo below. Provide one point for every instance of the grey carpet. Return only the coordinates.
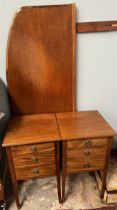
(40, 194)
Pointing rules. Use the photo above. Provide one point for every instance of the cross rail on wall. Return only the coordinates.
(98, 26)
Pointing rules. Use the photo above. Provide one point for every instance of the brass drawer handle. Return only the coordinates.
(34, 148)
(87, 153)
(36, 171)
(88, 143)
(35, 159)
(87, 165)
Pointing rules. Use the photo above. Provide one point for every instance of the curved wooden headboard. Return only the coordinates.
(41, 60)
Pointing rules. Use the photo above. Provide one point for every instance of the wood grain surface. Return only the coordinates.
(1, 191)
(30, 129)
(82, 125)
(33, 149)
(58, 171)
(105, 171)
(33, 155)
(87, 143)
(41, 60)
(35, 171)
(13, 176)
(98, 26)
(74, 166)
(86, 154)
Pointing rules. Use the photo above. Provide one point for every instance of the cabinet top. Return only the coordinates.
(40, 128)
(29, 129)
(85, 124)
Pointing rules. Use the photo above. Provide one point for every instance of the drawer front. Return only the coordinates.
(34, 160)
(32, 149)
(87, 143)
(86, 154)
(85, 165)
(32, 172)
(33, 155)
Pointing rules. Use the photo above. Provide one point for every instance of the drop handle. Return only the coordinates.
(87, 165)
(88, 143)
(87, 153)
(35, 171)
(35, 159)
(34, 148)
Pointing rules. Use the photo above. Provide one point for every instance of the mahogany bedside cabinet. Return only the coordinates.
(86, 144)
(40, 79)
(36, 151)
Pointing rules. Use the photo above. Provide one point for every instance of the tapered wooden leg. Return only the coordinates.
(64, 168)
(2, 196)
(13, 176)
(104, 175)
(104, 172)
(58, 170)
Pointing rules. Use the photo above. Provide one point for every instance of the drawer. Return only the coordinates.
(32, 172)
(33, 155)
(32, 149)
(86, 154)
(34, 160)
(85, 165)
(87, 143)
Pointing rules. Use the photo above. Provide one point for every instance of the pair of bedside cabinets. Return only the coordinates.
(41, 78)
(33, 149)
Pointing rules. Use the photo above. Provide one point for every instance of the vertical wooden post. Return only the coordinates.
(13, 176)
(104, 172)
(57, 156)
(64, 168)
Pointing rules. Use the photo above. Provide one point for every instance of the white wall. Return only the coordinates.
(96, 54)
